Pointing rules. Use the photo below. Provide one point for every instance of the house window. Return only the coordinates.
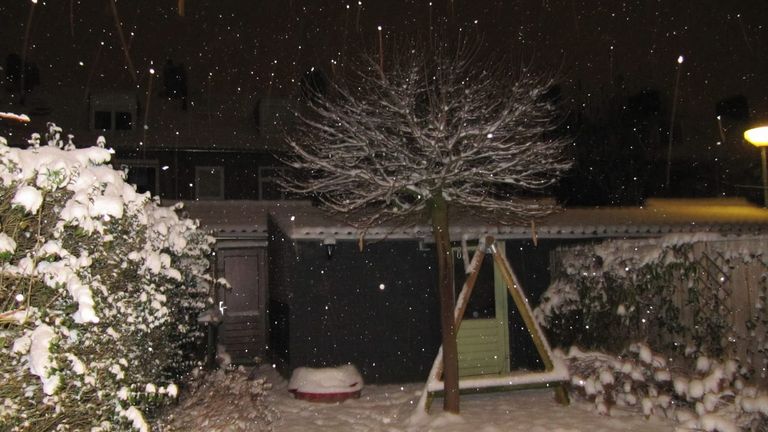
(273, 116)
(209, 182)
(102, 120)
(268, 187)
(141, 173)
(114, 111)
(123, 120)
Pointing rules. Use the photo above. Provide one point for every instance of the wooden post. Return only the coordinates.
(466, 291)
(439, 215)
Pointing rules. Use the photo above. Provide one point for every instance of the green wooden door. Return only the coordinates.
(483, 337)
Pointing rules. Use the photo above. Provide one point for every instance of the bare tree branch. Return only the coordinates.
(380, 145)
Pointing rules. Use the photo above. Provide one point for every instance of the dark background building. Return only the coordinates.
(206, 123)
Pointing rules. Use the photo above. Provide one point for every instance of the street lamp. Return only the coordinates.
(758, 137)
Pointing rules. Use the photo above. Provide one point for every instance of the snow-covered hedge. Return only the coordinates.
(100, 288)
(690, 295)
(700, 299)
(712, 396)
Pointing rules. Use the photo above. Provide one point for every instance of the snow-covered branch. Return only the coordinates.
(441, 120)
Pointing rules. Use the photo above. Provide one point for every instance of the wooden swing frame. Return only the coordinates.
(554, 375)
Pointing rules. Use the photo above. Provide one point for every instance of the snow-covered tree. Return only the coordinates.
(438, 128)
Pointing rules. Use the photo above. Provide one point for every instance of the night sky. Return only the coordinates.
(603, 51)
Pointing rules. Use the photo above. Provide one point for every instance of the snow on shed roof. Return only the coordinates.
(234, 218)
(658, 217)
(300, 220)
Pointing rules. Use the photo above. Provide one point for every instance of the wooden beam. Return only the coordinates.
(469, 285)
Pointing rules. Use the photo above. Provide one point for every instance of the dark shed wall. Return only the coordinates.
(281, 268)
(339, 313)
(325, 312)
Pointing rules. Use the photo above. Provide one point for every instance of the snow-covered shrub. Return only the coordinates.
(225, 399)
(757, 325)
(100, 289)
(608, 294)
(711, 396)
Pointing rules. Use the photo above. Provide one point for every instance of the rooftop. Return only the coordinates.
(301, 220)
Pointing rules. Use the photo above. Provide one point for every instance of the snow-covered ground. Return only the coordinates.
(388, 408)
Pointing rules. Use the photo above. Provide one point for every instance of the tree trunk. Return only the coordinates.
(439, 214)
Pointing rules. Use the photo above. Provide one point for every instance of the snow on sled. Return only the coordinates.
(326, 384)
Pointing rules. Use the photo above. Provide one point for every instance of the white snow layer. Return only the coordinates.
(98, 191)
(7, 244)
(28, 197)
(342, 379)
(40, 357)
(226, 404)
(136, 418)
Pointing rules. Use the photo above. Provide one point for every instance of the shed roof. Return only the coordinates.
(301, 220)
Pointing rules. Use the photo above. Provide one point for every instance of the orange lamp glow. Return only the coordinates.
(757, 136)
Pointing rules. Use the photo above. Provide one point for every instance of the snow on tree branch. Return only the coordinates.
(383, 143)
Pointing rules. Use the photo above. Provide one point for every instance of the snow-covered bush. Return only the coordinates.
(711, 396)
(100, 289)
(608, 294)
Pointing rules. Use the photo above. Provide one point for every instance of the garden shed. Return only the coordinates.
(328, 295)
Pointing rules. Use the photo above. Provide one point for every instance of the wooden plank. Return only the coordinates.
(231, 321)
(241, 327)
(484, 340)
(476, 344)
(232, 343)
(239, 334)
(488, 363)
(242, 334)
(489, 352)
(479, 334)
(480, 324)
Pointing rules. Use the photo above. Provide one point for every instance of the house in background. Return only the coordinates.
(198, 116)
(308, 291)
(193, 96)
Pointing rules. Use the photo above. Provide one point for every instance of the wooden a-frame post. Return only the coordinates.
(551, 374)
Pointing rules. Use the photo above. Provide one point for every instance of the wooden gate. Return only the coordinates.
(243, 330)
